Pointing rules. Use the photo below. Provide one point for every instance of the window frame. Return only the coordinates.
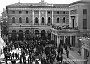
(64, 20)
(13, 18)
(20, 12)
(58, 19)
(27, 20)
(20, 19)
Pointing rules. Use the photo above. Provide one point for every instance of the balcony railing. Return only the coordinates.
(36, 23)
(49, 24)
(43, 24)
(64, 28)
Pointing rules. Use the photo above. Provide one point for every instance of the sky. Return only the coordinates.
(4, 3)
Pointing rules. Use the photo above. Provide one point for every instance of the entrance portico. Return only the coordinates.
(65, 37)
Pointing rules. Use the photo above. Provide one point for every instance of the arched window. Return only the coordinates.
(13, 20)
(36, 20)
(63, 19)
(49, 19)
(13, 31)
(20, 20)
(20, 35)
(20, 31)
(42, 19)
(57, 20)
(27, 32)
(14, 35)
(36, 31)
(27, 20)
(42, 33)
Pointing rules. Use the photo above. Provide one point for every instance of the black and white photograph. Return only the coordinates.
(44, 31)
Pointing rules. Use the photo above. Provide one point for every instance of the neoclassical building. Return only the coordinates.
(37, 18)
(79, 26)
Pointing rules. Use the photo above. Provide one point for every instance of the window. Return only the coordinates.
(20, 12)
(57, 20)
(13, 31)
(57, 12)
(48, 12)
(49, 20)
(13, 20)
(27, 20)
(20, 20)
(84, 23)
(63, 19)
(84, 18)
(42, 19)
(84, 11)
(64, 12)
(13, 12)
(36, 20)
(26, 12)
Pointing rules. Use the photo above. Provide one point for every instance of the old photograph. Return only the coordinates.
(44, 31)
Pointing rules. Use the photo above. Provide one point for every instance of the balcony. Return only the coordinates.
(67, 29)
(36, 23)
(43, 24)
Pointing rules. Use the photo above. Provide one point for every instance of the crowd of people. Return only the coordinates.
(44, 50)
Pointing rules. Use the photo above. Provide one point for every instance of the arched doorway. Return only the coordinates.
(14, 36)
(67, 40)
(49, 35)
(20, 35)
(27, 34)
(43, 34)
(37, 34)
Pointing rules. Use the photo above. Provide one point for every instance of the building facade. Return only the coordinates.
(37, 18)
(78, 27)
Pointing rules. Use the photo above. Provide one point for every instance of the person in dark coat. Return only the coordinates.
(67, 52)
(13, 55)
(20, 59)
(61, 50)
(57, 58)
(13, 61)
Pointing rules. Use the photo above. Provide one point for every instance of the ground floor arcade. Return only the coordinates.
(68, 39)
(27, 35)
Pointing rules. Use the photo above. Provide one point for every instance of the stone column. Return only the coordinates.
(76, 42)
(71, 40)
(83, 53)
(52, 16)
(33, 16)
(39, 18)
(46, 17)
(64, 39)
(89, 58)
(57, 40)
(51, 36)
